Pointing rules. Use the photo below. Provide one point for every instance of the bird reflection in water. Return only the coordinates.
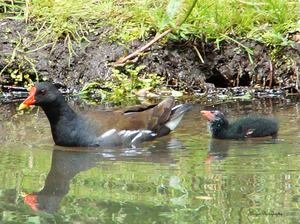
(218, 150)
(67, 164)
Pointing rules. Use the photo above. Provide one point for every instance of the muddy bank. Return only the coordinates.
(23, 58)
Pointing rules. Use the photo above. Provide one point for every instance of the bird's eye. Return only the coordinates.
(218, 114)
(42, 92)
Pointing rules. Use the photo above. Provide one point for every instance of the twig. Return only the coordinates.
(8, 64)
(199, 55)
(123, 60)
(27, 10)
(297, 75)
(271, 73)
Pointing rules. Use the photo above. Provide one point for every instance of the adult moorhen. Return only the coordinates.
(124, 126)
(241, 129)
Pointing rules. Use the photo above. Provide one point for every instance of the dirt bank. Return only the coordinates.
(179, 62)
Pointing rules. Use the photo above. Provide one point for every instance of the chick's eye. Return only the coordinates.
(42, 92)
(218, 114)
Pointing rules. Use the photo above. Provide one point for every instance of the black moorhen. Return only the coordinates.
(240, 129)
(123, 126)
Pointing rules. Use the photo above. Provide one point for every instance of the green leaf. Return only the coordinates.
(176, 93)
(172, 8)
(146, 80)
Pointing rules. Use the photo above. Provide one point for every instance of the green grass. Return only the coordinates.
(266, 20)
(71, 22)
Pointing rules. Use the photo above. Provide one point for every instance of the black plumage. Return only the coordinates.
(244, 128)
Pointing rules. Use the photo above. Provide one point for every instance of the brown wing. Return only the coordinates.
(132, 118)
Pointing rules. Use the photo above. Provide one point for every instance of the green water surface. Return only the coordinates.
(185, 177)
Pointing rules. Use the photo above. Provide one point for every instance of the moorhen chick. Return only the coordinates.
(240, 129)
(108, 128)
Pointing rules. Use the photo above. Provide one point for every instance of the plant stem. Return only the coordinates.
(188, 13)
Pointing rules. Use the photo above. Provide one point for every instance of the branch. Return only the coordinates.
(123, 60)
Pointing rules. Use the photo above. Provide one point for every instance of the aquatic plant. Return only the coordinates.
(124, 82)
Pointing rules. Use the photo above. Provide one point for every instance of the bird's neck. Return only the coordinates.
(219, 128)
(59, 111)
(67, 127)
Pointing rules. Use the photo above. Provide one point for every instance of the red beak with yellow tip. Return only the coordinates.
(29, 100)
(30, 199)
(208, 114)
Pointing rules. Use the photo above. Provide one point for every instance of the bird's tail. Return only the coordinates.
(177, 114)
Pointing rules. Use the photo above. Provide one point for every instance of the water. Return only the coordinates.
(185, 177)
